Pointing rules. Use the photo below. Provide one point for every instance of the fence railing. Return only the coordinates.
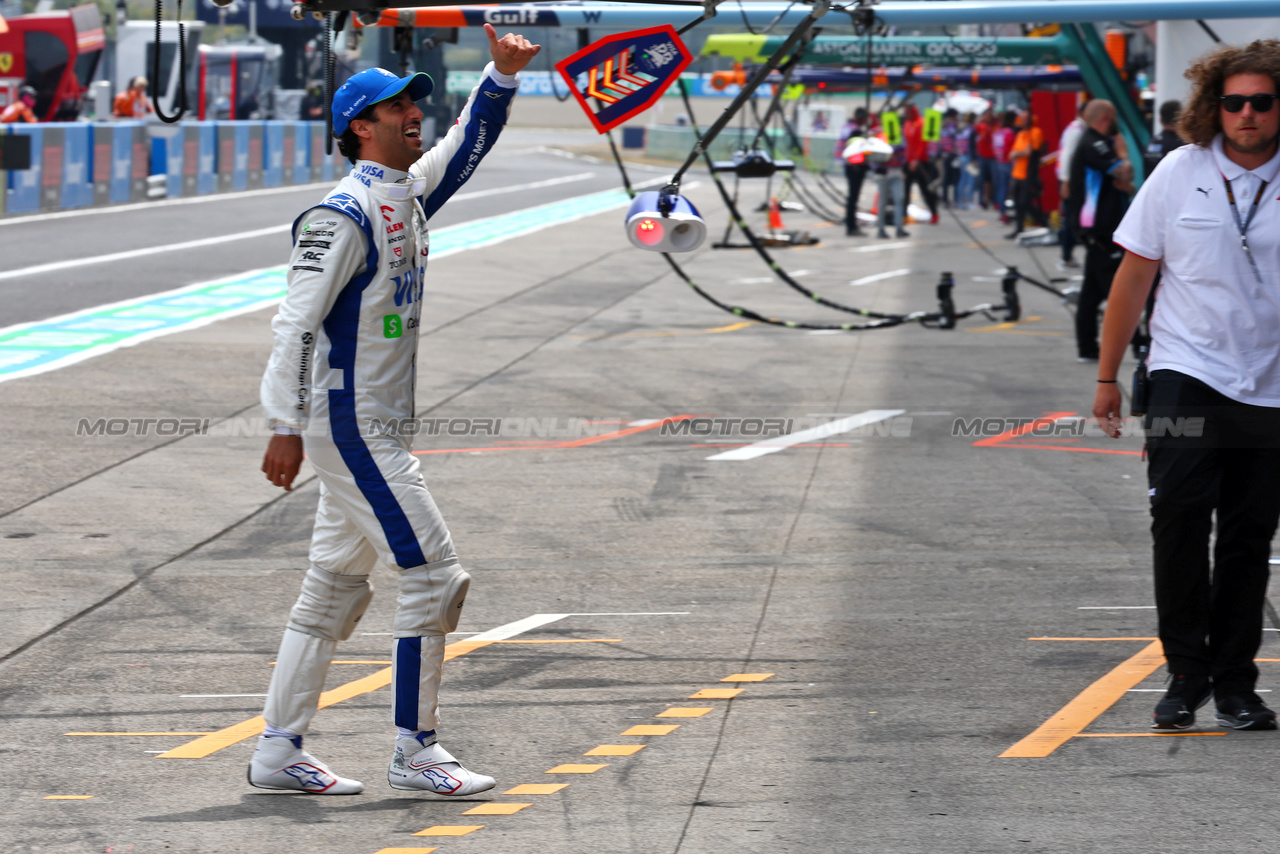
(81, 165)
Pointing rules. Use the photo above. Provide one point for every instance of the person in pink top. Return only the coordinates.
(1002, 147)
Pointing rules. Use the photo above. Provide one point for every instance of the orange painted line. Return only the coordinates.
(1072, 718)
(1064, 448)
(684, 712)
(716, 694)
(576, 769)
(405, 850)
(66, 797)
(1142, 734)
(572, 443)
(536, 789)
(236, 733)
(747, 677)
(496, 809)
(1267, 659)
(629, 431)
(615, 750)
(449, 830)
(1094, 639)
(1020, 431)
(652, 729)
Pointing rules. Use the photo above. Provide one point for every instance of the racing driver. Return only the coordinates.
(342, 368)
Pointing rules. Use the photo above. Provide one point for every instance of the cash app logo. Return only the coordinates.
(392, 326)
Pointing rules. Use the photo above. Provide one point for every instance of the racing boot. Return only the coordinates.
(423, 765)
(281, 763)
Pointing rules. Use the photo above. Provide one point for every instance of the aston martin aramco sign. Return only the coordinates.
(898, 51)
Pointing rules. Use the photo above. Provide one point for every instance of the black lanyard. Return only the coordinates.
(1243, 227)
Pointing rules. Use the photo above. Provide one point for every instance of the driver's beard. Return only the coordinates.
(1252, 149)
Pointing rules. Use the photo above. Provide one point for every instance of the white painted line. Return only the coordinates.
(273, 191)
(1116, 608)
(139, 253)
(880, 247)
(1162, 690)
(549, 182)
(833, 428)
(643, 422)
(261, 232)
(207, 696)
(635, 614)
(880, 277)
(1274, 560)
(168, 203)
(510, 630)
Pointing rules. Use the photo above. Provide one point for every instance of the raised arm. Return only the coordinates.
(453, 160)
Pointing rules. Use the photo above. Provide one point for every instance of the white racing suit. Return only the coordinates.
(342, 373)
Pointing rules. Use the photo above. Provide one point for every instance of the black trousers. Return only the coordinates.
(853, 173)
(1026, 202)
(1210, 619)
(922, 176)
(1101, 260)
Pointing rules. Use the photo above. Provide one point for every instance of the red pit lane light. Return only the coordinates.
(662, 222)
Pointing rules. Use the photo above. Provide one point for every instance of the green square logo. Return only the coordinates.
(392, 326)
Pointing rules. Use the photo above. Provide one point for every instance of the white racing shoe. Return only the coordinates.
(281, 763)
(432, 769)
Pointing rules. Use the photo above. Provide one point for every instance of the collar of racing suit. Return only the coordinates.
(398, 187)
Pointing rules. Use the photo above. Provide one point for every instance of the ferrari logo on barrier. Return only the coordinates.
(624, 73)
(6, 62)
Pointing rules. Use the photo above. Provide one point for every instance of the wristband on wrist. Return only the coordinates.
(1106, 381)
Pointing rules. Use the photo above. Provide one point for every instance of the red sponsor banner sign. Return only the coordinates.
(621, 76)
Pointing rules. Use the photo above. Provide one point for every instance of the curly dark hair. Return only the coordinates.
(348, 142)
(1200, 121)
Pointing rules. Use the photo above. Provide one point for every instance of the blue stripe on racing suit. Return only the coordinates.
(341, 327)
(408, 675)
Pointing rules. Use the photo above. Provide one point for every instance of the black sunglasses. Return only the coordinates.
(1235, 103)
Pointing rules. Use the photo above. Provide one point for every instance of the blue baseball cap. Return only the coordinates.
(371, 86)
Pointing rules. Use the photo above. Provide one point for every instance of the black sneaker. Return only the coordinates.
(1177, 708)
(1245, 711)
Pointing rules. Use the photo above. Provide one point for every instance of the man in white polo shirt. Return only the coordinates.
(1209, 221)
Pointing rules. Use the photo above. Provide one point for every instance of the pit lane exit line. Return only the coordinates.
(27, 349)
(236, 733)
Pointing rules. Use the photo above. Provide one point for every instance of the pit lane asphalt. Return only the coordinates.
(890, 582)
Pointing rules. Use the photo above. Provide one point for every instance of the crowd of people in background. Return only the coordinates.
(992, 161)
